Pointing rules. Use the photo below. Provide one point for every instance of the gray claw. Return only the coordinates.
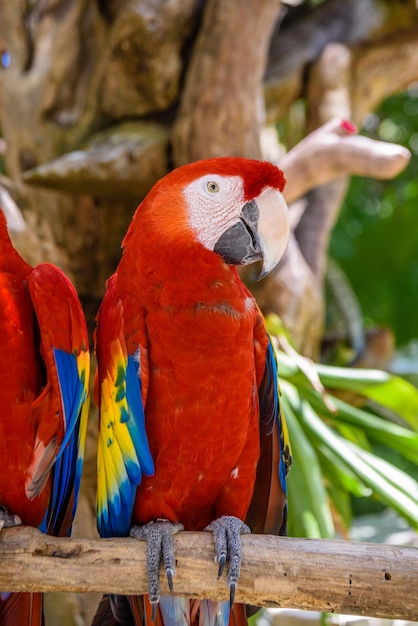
(222, 560)
(232, 589)
(169, 572)
(8, 519)
(160, 548)
(227, 531)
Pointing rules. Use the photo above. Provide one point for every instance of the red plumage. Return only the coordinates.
(203, 351)
(39, 313)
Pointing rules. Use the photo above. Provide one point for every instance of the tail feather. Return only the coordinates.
(175, 611)
(21, 609)
(210, 613)
(172, 611)
(239, 615)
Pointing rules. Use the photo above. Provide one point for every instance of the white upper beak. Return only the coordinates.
(273, 227)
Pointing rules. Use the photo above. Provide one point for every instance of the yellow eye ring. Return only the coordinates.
(212, 186)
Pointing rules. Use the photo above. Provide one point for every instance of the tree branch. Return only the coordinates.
(381, 35)
(334, 150)
(332, 576)
(123, 161)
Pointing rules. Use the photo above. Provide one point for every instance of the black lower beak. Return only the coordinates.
(239, 244)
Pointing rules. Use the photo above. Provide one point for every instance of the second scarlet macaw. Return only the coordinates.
(191, 433)
(44, 398)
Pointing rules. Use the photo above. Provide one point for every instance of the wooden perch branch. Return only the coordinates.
(335, 150)
(333, 576)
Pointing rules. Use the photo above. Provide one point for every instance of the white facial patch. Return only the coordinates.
(214, 203)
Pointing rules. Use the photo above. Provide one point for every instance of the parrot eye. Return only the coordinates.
(212, 186)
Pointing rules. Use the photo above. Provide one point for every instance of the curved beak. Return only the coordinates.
(262, 232)
(273, 228)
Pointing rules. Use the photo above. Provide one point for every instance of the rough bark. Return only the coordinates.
(330, 576)
(69, 68)
(121, 162)
(222, 107)
(143, 58)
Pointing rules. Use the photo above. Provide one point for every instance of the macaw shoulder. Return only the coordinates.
(58, 309)
(120, 334)
(121, 316)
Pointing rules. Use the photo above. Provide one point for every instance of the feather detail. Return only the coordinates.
(267, 512)
(209, 613)
(175, 611)
(40, 467)
(187, 378)
(61, 410)
(123, 451)
(45, 367)
(22, 609)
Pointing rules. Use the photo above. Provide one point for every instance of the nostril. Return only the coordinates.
(27, 159)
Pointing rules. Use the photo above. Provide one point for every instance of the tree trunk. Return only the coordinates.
(221, 108)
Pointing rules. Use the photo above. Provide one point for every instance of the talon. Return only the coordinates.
(7, 520)
(169, 573)
(160, 548)
(222, 561)
(227, 531)
(232, 589)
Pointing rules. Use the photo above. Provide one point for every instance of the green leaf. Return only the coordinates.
(377, 428)
(288, 369)
(309, 513)
(393, 486)
(393, 475)
(339, 437)
(342, 503)
(338, 473)
(396, 489)
(352, 433)
(392, 392)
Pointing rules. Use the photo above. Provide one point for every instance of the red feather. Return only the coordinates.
(39, 312)
(203, 348)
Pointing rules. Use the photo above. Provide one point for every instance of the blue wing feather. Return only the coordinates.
(137, 426)
(268, 512)
(69, 460)
(65, 352)
(124, 454)
(277, 415)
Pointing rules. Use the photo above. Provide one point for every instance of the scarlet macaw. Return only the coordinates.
(190, 425)
(44, 370)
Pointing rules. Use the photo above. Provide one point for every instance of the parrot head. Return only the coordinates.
(230, 205)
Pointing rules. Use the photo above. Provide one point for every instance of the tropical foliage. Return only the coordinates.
(336, 417)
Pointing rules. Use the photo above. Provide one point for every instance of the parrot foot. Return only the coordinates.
(8, 519)
(227, 531)
(160, 548)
